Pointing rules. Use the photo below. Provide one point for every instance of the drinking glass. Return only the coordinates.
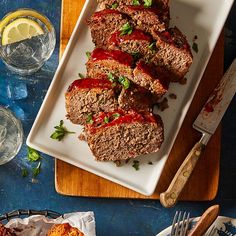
(11, 135)
(28, 55)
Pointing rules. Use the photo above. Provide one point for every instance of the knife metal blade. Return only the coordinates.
(214, 109)
(206, 123)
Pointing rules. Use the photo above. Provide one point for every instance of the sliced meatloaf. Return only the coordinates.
(122, 135)
(161, 4)
(103, 62)
(103, 23)
(138, 43)
(146, 19)
(173, 53)
(85, 97)
(150, 78)
(136, 98)
(5, 231)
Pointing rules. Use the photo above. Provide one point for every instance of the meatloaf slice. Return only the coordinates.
(122, 135)
(138, 43)
(136, 98)
(103, 62)
(85, 97)
(103, 23)
(173, 53)
(150, 78)
(147, 19)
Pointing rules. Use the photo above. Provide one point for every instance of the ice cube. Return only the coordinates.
(17, 91)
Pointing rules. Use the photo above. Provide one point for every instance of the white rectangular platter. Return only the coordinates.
(194, 17)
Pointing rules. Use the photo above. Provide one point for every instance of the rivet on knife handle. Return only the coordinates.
(170, 197)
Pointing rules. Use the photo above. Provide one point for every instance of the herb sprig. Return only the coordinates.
(60, 132)
(136, 2)
(124, 82)
(126, 29)
(147, 3)
(114, 5)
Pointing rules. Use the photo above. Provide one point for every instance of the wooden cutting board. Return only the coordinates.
(203, 184)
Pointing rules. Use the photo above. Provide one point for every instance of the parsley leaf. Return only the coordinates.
(24, 172)
(60, 132)
(36, 170)
(136, 55)
(124, 82)
(88, 54)
(147, 3)
(114, 5)
(136, 165)
(111, 77)
(195, 47)
(126, 29)
(116, 115)
(81, 76)
(136, 2)
(106, 120)
(32, 155)
(90, 119)
(152, 46)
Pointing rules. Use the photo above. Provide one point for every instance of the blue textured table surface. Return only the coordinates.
(113, 217)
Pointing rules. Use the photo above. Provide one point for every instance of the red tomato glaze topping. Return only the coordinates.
(116, 38)
(118, 117)
(102, 13)
(90, 83)
(121, 57)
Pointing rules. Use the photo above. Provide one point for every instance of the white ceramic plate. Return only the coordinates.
(223, 226)
(194, 17)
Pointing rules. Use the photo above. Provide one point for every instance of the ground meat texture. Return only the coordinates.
(146, 19)
(161, 4)
(146, 76)
(136, 98)
(103, 23)
(80, 103)
(5, 231)
(173, 53)
(111, 61)
(125, 140)
(137, 44)
(64, 230)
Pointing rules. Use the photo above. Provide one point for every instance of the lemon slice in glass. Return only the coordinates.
(20, 29)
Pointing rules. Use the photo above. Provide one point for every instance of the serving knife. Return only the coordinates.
(206, 123)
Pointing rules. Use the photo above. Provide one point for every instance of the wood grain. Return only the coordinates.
(202, 185)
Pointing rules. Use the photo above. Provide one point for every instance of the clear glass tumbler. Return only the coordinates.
(11, 135)
(27, 40)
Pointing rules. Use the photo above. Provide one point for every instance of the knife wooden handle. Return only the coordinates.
(205, 221)
(170, 197)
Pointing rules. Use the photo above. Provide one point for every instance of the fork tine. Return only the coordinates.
(173, 223)
(186, 225)
(182, 225)
(211, 231)
(177, 226)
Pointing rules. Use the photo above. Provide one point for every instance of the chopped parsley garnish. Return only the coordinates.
(111, 77)
(114, 5)
(136, 165)
(88, 54)
(152, 46)
(136, 2)
(136, 55)
(60, 132)
(126, 29)
(116, 115)
(124, 82)
(150, 163)
(24, 172)
(106, 120)
(147, 3)
(89, 119)
(195, 47)
(36, 170)
(81, 76)
(32, 155)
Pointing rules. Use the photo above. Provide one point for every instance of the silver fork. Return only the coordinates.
(180, 224)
